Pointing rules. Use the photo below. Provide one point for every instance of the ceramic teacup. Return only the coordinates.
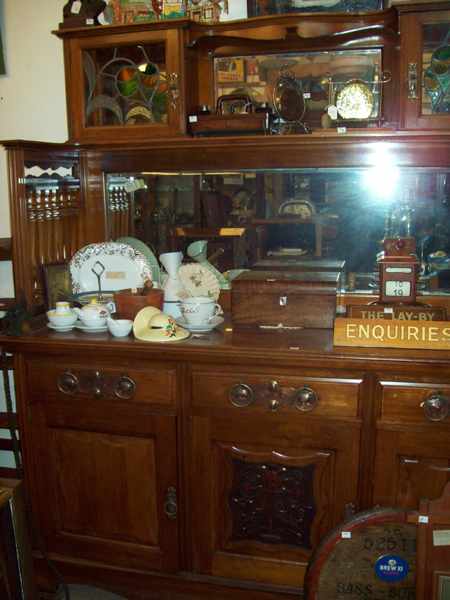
(62, 316)
(199, 310)
(119, 327)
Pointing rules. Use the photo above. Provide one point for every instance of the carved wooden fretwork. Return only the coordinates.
(272, 503)
(37, 171)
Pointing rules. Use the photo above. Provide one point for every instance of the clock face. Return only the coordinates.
(397, 289)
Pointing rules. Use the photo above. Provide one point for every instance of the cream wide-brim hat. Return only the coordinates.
(152, 325)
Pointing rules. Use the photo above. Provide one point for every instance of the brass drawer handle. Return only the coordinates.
(97, 385)
(171, 504)
(68, 383)
(275, 390)
(305, 399)
(125, 388)
(436, 407)
(173, 82)
(274, 404)
(413, 85)
(241, 395)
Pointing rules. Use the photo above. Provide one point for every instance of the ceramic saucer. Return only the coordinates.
(79, 325)
(203, 328)
(61, 329)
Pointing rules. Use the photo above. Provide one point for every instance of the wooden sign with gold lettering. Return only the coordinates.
(395, 333)
(404, 313)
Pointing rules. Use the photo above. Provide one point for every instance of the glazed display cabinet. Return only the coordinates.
(425, 69)
(125, 86)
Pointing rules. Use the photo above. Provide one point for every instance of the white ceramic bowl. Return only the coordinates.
(119, 327)
(61, 319)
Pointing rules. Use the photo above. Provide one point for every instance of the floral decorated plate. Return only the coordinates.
(116, 266)
(199, 281)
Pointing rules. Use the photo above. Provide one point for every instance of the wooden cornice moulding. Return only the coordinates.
(101, 30)
(269, 26)
(33, 145)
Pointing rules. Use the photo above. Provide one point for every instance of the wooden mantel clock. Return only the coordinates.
(398, 271)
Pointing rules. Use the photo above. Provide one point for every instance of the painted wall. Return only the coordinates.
(32, 94)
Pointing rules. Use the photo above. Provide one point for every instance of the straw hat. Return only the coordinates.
(152, 325)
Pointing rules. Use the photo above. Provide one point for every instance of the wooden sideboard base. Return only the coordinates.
(133, 451)
(135, 585)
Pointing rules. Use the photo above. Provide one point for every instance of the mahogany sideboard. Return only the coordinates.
(215, 466)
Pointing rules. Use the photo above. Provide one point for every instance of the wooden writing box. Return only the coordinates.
(228, 124)
(268, 298)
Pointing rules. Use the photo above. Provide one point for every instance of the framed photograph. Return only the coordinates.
(230, 70)
(132, 11)
(57, 283)
(257, 8)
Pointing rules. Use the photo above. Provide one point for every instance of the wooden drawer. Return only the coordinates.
(420, 403)
(263, 393)
(135, 381)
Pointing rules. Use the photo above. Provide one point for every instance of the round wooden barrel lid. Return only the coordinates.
(370, 557)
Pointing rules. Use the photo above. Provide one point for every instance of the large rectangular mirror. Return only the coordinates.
(319, 216)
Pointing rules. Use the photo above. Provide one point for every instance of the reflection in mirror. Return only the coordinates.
(320, 76)
(310, 219)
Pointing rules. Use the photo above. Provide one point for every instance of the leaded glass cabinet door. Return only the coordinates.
(124, 86)
(426, 69)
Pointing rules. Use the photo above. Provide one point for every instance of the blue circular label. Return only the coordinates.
(391, 568)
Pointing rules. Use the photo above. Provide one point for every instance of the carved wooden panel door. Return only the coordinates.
(412, 458)
(104, 481)
(410, 466)
(266, 486)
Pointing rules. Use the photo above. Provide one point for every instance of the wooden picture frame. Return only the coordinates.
(57, 283)
(230, 70)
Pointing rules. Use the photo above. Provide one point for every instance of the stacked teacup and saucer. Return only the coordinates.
(200, 314)
(62, 318)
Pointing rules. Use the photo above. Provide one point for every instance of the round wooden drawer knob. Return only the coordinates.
(68, 383)
(436, 407)
(305, 399)
(241, 395)
(125, 388)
